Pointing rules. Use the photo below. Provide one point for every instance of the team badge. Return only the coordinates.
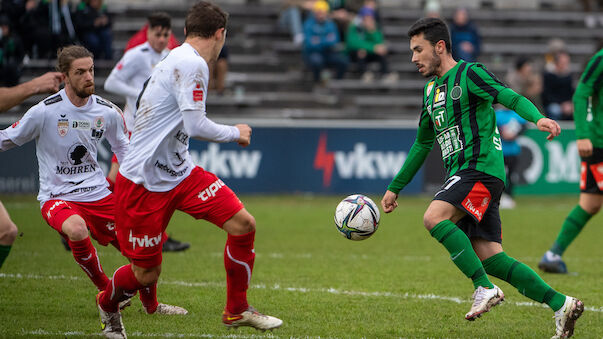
(99, 123)
(440, 118)
(429, 87)
(456, 92)
(63, 127)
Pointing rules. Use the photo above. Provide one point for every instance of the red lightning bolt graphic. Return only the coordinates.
(324, 160)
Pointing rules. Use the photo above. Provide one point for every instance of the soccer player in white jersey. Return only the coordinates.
(134, 68)
(158, 177)
(67, 127)
(127, 78)
(73, 195)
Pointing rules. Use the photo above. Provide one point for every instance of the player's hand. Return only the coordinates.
(245, 134)
(47, 83)
(585, 147)
(389, 203)
(548, 125)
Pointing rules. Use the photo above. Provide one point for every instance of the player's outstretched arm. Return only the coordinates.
(46, 83)
(389, 203)
(550, 126)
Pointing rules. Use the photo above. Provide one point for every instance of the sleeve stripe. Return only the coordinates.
(591, 69)
(494, 77)
(598, 81)
(477, 80)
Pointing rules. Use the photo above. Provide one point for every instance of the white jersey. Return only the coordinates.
(66, 145)
(158, 157)
(129, 74)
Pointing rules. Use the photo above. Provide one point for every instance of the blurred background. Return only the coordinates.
(339, 123)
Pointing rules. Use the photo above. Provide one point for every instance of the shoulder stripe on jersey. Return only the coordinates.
(479, 82)
(598, 82)
(591, 69)
(491, 75)
(53, 100)
(477, 143)
(458, 114)
(103, 102)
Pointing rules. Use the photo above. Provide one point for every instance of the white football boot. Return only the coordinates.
(252, 318)
(111, 323)
(566, 316)
(483, 300)
(168, 309)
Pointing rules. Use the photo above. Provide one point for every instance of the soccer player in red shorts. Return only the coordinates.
(158, 177)
(73, 192)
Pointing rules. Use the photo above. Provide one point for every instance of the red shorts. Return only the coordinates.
(142, 216)
(98, 215)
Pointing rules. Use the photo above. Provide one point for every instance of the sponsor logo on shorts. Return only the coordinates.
(110, 226)
(477, 201)
(144, 242)
(211, 191)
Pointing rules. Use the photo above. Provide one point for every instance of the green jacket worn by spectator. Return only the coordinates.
(359, 38)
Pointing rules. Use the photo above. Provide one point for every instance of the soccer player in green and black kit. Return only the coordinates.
(463, 216)
(588, 116)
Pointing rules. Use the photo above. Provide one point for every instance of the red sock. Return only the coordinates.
(122, 286)
(148, 297)
(85, 255)
(238, 261)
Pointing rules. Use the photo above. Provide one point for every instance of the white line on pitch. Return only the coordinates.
(277, 287)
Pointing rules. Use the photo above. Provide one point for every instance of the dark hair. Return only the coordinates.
(521, 61)
(160, 19)
(204, 19)
(66, 55)
(433, 30)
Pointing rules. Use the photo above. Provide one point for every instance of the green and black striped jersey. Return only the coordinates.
(457, 112)
(457, 107)
(588, 102)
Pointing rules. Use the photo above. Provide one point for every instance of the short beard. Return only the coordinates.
(84, 92)
(436, 63)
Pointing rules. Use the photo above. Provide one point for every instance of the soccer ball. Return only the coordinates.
(357, 217)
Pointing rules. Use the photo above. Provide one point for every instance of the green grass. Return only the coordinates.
(319, 283)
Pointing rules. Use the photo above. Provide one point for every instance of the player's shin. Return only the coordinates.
(524, 279)
(148, 297)
(123, 285)
(85, 255)
(239, 257)
(461, 252)
(572, 226)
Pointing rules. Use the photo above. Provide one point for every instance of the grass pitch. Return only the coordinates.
(400, 283)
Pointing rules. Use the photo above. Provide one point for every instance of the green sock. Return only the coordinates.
(4, 253)
(524, 279)
(572, 226)
(461, 252)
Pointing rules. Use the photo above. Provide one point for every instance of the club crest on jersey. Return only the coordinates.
(99, 123)
(429, 88)
(439, 97)
(63, 127)
(456, 92)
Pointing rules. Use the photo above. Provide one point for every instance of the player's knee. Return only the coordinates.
(247, 224)
(430, 220)
(75, 228)
(8, 232)
(147, 276)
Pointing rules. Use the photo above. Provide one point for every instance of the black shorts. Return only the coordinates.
(478, 195)
(591, 169)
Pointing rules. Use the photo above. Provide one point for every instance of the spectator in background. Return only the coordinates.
(320, 43)
(11, 54)
(432, 9)
(365, 44)
(93, 24)
(511, 126)
(553, 47)
(46, 26)
(290, 18)
(591, 17)
(525, 81)
(218, 71)
(558, 89)
(466, 41)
